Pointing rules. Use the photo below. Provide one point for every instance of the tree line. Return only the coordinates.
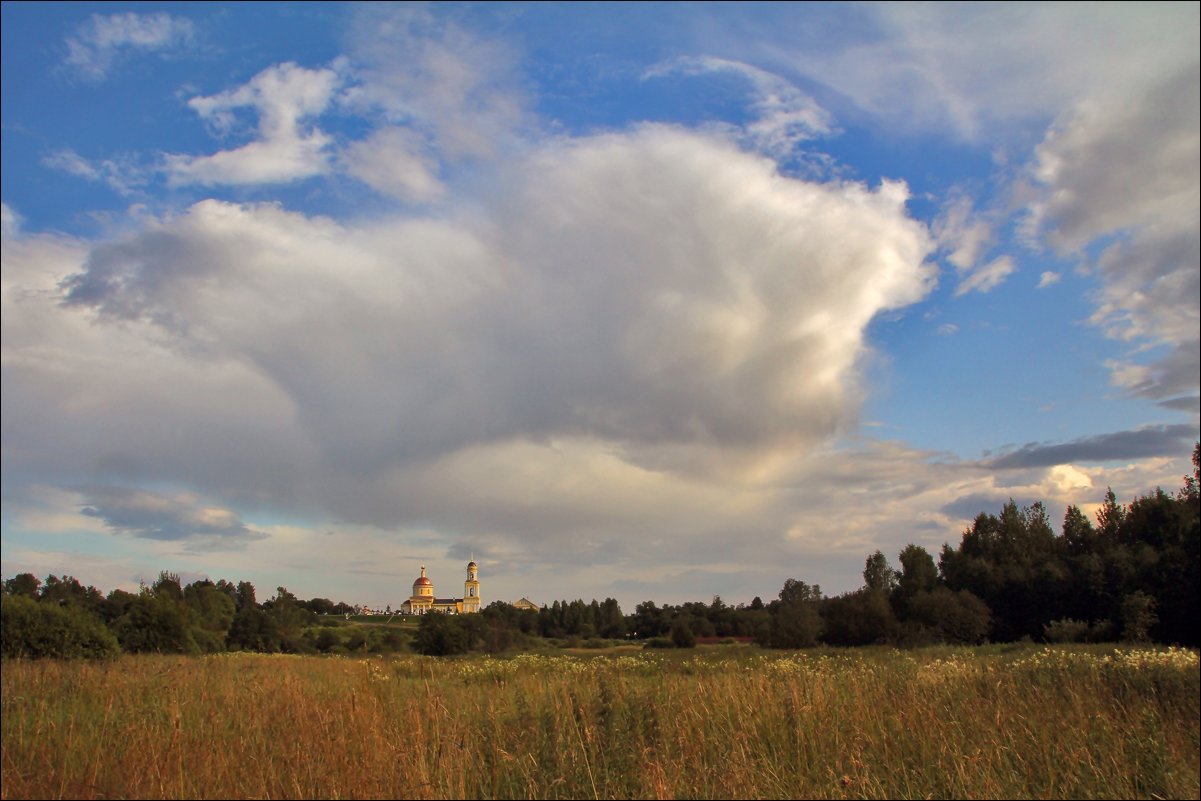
(1134, 575)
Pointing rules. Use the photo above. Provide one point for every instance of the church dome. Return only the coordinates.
(422, 581)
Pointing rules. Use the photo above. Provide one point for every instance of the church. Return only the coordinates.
(423, 599)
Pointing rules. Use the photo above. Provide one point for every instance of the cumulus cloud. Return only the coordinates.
(286, 97)
(659, 290)
(98, 45)
(623, 321)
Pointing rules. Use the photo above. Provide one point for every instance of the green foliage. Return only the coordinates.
(659, 642)
(878, 576)
(32, 630)
(918, 572)
(25, 584)
(253, 629)
(155, 623)
(328, 639)
(1068, 630)
(796, 624)
(210, 608)
(956, 618)
(1137, 616)
(859, 618)
(441, 635)
(681, 634)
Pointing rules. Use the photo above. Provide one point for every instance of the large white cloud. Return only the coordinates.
(659, 290)
(625, 346)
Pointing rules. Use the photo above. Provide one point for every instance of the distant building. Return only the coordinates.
(526, 603)
(423, 599)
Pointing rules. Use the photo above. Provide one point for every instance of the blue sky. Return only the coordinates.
(650, 301)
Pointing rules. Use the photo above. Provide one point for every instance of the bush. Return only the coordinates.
(659, 642)
(155, 625)
(681, 635)
(33, 630)
(1070, 630)
(327, 640)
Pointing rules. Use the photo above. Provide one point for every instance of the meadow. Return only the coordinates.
(718, 722)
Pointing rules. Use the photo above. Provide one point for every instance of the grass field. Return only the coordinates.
(721, 722)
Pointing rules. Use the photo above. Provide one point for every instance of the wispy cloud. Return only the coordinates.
(123, 174)
(986, 278)
(961, 232)
(784, 116)
(1048, 278)
(98, 45)
(1161, 440)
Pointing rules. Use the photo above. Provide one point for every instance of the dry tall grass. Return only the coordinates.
(720, 724)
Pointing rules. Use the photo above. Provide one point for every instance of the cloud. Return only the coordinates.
(977, 70)
(98, 45)
(1123, 171)
(157, 516)
(397, 163)
(287, 148)
(961, 233)
(10, 221)
(660, 290)
(459, 91)
(1149, 441)
(785, 116)
(122, 174)
(1048, 278)
(986, 278)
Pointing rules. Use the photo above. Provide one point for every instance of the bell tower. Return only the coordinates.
(471, 589)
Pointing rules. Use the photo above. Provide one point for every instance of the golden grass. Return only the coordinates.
(722, 723)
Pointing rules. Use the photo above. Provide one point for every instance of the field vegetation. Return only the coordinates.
(733, 721)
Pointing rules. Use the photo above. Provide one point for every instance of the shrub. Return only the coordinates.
(33, 630)
(681, 634)
(659, 642)
(327, 640)
(155, 625)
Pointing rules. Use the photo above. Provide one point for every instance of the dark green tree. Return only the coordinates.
(681, 634)
(32, 630)
(155, 624)
(25, 584)
(253, 629)
(878, 576)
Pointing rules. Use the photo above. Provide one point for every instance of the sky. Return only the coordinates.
(644, 301)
